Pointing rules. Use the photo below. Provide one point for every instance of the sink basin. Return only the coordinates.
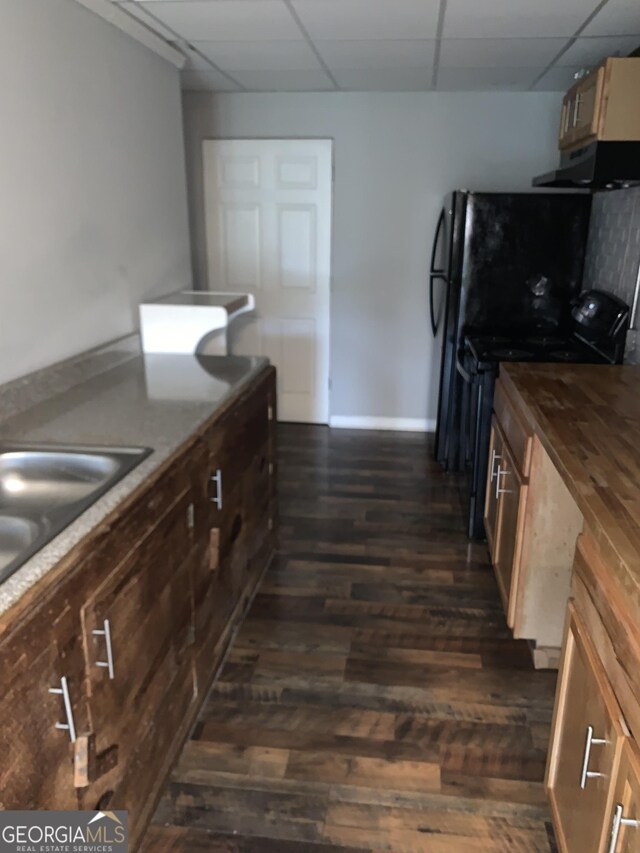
(44, 488)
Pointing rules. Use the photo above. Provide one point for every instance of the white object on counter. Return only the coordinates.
(191, 321)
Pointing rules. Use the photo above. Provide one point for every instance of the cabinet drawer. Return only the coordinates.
(518, 435)
(43, 709)
(587, 740)
(623, 830)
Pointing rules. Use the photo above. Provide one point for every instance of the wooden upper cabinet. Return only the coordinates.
(603, 105)
(42, 709)
(586, 744)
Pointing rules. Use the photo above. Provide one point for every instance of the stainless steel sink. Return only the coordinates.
(44, 488)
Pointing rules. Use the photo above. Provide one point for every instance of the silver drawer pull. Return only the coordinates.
(63, 691)
(106, 633)
(494, 457)
(618, 822)
(217, 498)
(502, 472)
(590, 741)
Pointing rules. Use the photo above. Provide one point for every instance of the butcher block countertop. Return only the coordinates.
(587, 417)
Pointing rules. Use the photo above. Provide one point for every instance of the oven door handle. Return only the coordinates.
(468, 377)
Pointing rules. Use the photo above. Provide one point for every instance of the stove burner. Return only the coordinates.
(566, 355)
(510, 354)
(545, 341)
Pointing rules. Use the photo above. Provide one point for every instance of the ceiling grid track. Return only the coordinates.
(569, 43)
(436, 57)
(383, 45)
(180, 40)
(311, 44)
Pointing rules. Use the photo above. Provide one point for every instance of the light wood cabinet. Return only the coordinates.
(506, 496)
(603, 105)
(512, 495)
(587, 741)
(532, 524)
(623, 831)
(496, 445)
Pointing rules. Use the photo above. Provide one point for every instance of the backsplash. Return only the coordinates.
(613, 253)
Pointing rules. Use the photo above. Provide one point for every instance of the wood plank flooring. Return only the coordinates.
(374, 699)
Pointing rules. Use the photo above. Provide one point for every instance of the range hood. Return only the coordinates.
(600, 165)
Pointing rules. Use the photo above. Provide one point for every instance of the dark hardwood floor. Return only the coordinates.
(373, 699)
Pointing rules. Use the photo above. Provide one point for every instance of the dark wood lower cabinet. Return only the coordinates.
(131, 633)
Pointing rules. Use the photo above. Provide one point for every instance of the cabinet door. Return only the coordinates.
(624, 818)
(586, 743)
(43, 709)
(491, 500)
(131, 635)
(586, 107)
(511, 499)
(565, 121)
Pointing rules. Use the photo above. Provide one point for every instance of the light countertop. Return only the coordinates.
(155, 401)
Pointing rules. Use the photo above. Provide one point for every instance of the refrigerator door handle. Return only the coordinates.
(436, 273)
(434, 249)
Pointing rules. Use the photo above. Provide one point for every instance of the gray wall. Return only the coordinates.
(613, 256)
(396, 156)
(93, 210)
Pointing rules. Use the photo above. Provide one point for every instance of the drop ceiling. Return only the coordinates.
(389, 45)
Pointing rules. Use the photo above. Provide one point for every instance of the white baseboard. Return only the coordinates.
(394, 424)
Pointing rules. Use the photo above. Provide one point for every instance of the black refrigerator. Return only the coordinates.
(486, 250)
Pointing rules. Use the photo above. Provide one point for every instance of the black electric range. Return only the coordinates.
(489, 350)
(596, 335)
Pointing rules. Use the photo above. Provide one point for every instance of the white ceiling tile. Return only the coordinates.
(206, 81)
(259, 55)
(515, 18)
(384, 79)
(149, 20)
(194, 61)
(226, 20)
(283, 81)
(394, 53)
(369, 19)
(557, 79)
(617, 18)
(486, 79)
(494, 53)
(589, 51)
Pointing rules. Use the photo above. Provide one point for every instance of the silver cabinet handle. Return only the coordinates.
(494, 457)
(617, 822)
(217, 479)
(106, 633)
(576, 109)
(502, 472)
(63, 691)
(590, 741)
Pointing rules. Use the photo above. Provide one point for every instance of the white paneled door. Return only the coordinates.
(268, 220)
